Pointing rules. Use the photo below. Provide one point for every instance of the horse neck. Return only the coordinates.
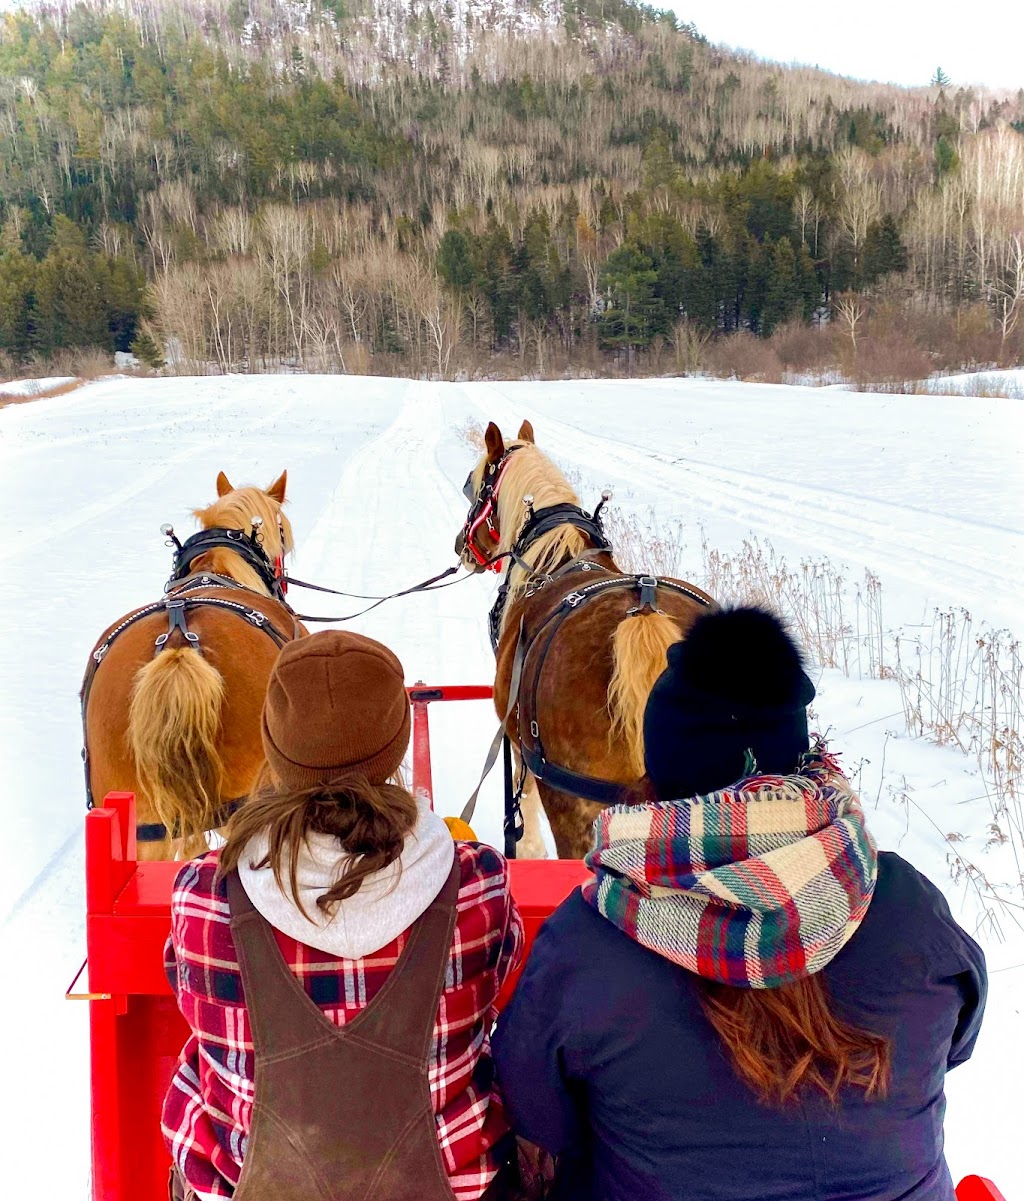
(228, 563)
(536, 476)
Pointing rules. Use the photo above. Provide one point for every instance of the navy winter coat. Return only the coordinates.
(606, 1060)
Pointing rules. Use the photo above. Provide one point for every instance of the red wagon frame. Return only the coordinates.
(136, 1031)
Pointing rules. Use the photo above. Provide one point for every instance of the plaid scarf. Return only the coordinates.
(754, 886)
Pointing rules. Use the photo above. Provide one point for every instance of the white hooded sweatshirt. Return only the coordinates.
(387, 903)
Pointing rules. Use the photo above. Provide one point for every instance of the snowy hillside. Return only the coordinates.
(926, 492)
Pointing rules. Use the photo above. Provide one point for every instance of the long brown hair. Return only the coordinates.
(370, 822)
(783, 1040)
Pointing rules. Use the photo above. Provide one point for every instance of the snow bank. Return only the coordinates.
(927, 491)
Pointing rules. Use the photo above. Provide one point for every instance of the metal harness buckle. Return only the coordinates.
(648, 586)
(176, 613)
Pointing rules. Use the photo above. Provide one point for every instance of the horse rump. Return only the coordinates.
(173, 724)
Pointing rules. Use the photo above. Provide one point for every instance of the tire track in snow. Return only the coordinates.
(390, 523)
(20, 543)
(857, 529)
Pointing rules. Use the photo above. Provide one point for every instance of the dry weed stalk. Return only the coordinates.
(960, 684)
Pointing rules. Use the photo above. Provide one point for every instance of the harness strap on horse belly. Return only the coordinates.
(604, 792)
(157, 831)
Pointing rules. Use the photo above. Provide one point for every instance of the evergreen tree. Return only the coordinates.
(947, 160)
(808, 284)
(69, 304)
(147, 350)
(708, 283)
(455, 260)
(17, 282)
(783, 291)
(633, 313)
(884, 251)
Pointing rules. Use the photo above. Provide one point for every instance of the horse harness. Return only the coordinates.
(178, 601)
(538, 644)
(538, 523)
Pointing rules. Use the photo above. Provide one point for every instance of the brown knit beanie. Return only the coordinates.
(336, 703)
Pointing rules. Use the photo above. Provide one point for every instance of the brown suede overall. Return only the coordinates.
(342, 1113)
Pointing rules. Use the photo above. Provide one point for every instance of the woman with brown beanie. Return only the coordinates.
(338, 961)
(748, 1002)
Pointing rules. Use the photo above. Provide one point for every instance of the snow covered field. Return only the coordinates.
(926, 491)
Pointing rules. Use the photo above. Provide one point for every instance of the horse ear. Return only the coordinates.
(526, 432)
(276, 489)
(494, 442)
(224, 485)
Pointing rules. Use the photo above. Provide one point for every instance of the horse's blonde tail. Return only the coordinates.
(173, 725)
(640, 646)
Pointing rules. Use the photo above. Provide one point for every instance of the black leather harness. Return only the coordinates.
(247, 546)
(177, 603)
(573, 783)
(542, 522)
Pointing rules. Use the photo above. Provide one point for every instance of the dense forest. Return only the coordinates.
(462, 186)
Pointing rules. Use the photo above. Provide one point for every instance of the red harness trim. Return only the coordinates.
(485, 517)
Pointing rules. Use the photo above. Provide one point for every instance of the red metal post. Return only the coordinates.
(109, 839)
(421, 696)
(422, 780)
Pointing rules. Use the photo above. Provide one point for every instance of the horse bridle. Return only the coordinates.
(538, 523)
(482, 511)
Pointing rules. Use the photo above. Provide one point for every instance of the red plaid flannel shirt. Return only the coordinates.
(208, 1107)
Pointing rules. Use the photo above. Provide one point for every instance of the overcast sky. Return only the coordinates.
(901, 41)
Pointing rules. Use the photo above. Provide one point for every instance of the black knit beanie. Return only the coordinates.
(735, 684)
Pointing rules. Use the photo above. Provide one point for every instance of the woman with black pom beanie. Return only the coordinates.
(748, 1002)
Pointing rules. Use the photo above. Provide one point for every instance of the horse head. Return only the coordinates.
(252, 510)
(481, 538)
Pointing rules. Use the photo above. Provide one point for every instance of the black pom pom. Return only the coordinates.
(745, 652)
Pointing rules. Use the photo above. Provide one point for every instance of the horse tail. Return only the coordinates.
(639, 649)
(173, 725)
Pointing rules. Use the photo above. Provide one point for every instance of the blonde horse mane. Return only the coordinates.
(235, 511)
(529, 472)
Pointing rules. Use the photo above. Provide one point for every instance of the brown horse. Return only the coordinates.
(172, 696)
(587, 641)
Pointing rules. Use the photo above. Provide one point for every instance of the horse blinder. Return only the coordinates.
(481, 513)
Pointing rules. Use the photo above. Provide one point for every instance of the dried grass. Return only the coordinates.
(961, 682)
(472, 433)
(742, 356)
(43, 393)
